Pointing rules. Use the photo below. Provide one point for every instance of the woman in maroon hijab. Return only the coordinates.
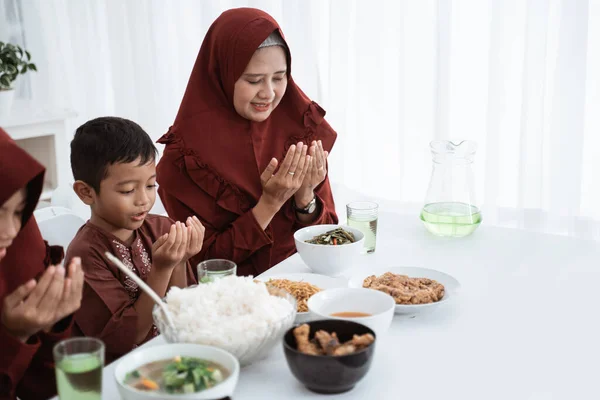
(248, 150)
(37, 298)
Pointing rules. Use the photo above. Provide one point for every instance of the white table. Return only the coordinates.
(524, 326)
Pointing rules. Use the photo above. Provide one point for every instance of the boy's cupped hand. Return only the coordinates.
(36, 306)
(195, 237)
(170, 249)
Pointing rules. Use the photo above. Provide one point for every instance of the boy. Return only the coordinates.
(113, 162)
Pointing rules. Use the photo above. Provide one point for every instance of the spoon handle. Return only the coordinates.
(143, 286)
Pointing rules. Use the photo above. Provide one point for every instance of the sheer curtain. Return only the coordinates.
(520, 77)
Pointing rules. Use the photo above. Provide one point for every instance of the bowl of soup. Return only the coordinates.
(177, 371)
(371, 308)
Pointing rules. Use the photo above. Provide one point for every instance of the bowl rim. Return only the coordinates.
(236, 370)
(326, 356)
(330, 226)
(353, 289)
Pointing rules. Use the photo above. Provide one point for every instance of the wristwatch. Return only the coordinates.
(309, 209)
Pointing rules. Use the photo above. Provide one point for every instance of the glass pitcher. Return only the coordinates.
(450, 206)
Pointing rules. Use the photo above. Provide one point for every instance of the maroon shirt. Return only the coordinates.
(107, 308)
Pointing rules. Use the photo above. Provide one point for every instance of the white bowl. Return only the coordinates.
(324, 259)
(451, 285)
(378, 304)
(246, 352)
(142, 356)
(321, 281)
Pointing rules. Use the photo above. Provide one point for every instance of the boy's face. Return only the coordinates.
(126, 196)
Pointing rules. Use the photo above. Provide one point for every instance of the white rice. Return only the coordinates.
(229, 313)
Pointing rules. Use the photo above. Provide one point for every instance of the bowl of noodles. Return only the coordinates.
(302, 286)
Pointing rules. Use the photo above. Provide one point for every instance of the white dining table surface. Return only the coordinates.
(524, 325)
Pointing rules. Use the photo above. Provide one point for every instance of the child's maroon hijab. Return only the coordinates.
(239, 150)
(28, 255)
(18, 170)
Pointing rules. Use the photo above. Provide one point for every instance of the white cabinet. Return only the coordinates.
(46, 134)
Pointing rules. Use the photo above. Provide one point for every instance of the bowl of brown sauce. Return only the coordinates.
(368, 307)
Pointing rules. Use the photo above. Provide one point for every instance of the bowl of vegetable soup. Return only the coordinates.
(177, 371)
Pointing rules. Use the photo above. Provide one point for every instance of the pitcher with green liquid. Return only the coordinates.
(450, 205)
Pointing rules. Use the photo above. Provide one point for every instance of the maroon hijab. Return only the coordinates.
(28, 255)
(17, 170)
(238, 150)
(28, 366)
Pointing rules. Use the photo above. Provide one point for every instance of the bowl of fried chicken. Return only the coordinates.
(329, 356)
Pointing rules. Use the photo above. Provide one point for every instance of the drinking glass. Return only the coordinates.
(79, 363)
(363, 215)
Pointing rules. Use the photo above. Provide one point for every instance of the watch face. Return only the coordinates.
(311, 207)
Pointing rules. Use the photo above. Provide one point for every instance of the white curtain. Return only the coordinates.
(520, 77)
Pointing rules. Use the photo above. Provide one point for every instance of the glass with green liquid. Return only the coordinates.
(450, 207)
(210, 270)
(363, 216)
(79, 363)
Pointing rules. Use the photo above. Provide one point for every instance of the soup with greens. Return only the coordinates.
(177, 375)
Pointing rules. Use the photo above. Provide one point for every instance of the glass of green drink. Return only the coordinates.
(79, 363)
(210, 270)
(363, 216)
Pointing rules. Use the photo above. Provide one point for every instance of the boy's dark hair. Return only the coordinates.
(104, 141)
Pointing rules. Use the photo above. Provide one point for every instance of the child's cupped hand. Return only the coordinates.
(35, 306)
(170, 249)
(195, 237)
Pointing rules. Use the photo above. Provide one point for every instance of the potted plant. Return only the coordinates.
(13, 61)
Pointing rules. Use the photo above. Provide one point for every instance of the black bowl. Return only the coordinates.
(329, 374)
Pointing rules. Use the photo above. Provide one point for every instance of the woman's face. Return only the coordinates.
(11, 217)
(262, 85)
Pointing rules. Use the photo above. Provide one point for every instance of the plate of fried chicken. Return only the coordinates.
(414, 289)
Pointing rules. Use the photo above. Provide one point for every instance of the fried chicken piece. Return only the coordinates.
(406, 290)
(362, 341)
(328, 342)
(401, 296)
(344, 349)
(369, 281)
(304, 344)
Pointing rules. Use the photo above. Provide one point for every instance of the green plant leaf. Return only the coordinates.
(5, 81)
(14, 60)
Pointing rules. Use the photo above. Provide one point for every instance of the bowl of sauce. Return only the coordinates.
(369, 307)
